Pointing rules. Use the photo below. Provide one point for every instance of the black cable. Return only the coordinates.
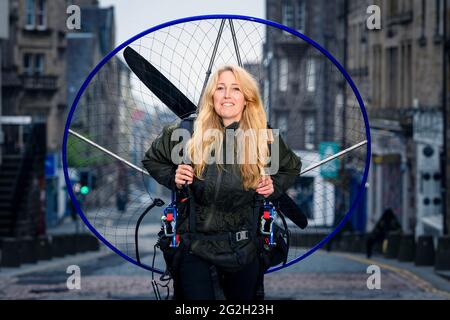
(154, 283)
(158, 203)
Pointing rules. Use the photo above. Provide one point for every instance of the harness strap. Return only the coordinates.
(188, 124)
(231, 236)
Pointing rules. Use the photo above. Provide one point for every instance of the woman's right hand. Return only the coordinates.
(183, 175)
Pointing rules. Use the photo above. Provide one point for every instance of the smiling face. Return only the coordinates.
(229, 100)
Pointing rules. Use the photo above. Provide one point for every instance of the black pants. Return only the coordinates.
(371, 241)
(196, 282)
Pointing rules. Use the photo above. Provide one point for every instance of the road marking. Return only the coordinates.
(421, 283)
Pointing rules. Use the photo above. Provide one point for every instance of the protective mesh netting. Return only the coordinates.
(119, 113)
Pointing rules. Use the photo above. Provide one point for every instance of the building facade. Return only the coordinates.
(103, 112)
(44, 64)
(33, 78)
(301, 89)
(398, 70)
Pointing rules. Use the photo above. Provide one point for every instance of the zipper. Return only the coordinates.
(213, 207)
(219, 174)
(218, 183)
(216, 193)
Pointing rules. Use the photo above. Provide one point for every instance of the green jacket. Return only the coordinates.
(221, 203)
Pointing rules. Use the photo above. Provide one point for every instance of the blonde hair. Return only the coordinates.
(253, 117)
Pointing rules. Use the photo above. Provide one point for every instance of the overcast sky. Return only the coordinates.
(134, 16)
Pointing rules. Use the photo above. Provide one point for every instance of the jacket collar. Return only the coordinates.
(233, 125)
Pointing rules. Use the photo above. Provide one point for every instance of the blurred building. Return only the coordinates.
(446, 87)
(126, 108)
(102, 111)
(398, 71)
(4, 34)
(257, 71)
(43, 65)
(33, 78)
(301, 90)
(298, 75)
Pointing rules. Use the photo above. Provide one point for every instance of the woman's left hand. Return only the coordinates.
(265, 186)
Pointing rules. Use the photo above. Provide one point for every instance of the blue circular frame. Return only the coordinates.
(205, 17)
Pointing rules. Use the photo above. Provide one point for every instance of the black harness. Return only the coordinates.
(272, 246)
(188, 124)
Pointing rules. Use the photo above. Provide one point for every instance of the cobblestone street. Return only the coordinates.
(323, 275)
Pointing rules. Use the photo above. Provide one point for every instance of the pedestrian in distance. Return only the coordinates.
(121, 200)
(387, 223)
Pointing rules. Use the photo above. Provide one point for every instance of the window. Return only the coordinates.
(33, 64)
(311, 76)
(392, 77)
(288, 14)
(39, 64)
(424, 15)
(338, 115)
(41, 16)
(406, 74)
(310, 132)
(364, 47)
(376, 76)
(300, 16)
(393, 8)
(30, 15)
(399, 7)
(282, 118)
(283, 74)
(274, 74)
(35, 15)
(28, 64)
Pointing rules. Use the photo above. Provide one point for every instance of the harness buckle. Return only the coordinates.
(169, 223)
(266, 223)
(168, 226)
(241, 235)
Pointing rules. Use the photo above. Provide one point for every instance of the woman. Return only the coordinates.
(221, 246)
